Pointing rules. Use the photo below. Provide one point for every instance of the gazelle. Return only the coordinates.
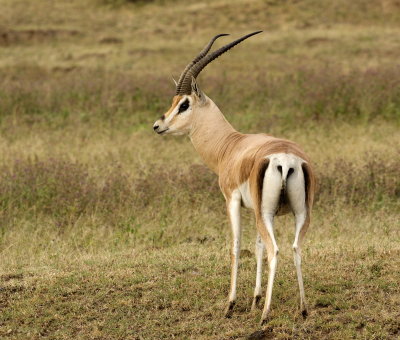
(272, 176)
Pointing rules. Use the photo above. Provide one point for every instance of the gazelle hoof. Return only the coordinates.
(256, 300)
(304, 313)
(229, 309)
(264, 321)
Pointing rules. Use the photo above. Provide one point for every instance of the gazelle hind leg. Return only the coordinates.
(272, 185)
(301, 220)
(297, 198)
(233, 206)
(259, 250)
(272, 252)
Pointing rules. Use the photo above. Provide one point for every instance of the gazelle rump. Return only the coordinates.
(270, 175)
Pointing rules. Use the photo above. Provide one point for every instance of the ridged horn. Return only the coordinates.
(201, 55)
(185, 86)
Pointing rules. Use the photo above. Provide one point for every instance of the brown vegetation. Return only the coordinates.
(34, 36)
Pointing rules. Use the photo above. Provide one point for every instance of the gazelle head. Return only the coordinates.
(189, 99)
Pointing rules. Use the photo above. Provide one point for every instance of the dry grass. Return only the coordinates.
(108, 231)
(64, 191)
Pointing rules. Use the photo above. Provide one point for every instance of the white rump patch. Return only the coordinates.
(276, 177)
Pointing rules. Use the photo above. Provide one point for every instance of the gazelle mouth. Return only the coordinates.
(161, 132)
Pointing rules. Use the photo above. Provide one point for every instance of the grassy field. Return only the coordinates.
(108, 231)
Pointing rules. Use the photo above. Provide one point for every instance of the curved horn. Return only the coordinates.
(185, 87)
(201, 55)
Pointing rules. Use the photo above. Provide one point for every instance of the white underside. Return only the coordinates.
(244, 189)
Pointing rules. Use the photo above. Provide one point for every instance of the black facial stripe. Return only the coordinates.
(184, 106)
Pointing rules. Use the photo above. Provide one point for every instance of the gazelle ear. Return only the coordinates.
(176, 84)
(196, 90)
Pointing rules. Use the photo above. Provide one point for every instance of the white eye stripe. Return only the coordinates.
(177, 107)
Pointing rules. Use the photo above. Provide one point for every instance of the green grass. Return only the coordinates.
(180, 291)
(108, 231)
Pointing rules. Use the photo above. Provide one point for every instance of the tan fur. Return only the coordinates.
(240, 159)
(234, 156)
(237, 157)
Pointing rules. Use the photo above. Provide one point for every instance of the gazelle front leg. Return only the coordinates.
(259, 259)
(233, 205)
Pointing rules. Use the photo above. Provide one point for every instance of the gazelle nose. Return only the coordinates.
(155, 127)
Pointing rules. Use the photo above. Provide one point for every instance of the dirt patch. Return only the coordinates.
(12, 37)
(8, 277)
(318, 41)
(261, 335)
(66, 69)
(110, 40)
(246, 253)
(91, 55)
(142, 52)
(7, 293)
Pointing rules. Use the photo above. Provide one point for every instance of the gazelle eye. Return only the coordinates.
(184, 106)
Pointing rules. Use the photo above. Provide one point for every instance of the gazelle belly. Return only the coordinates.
(244, 189)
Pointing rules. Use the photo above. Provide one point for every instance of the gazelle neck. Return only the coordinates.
(209, 134)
